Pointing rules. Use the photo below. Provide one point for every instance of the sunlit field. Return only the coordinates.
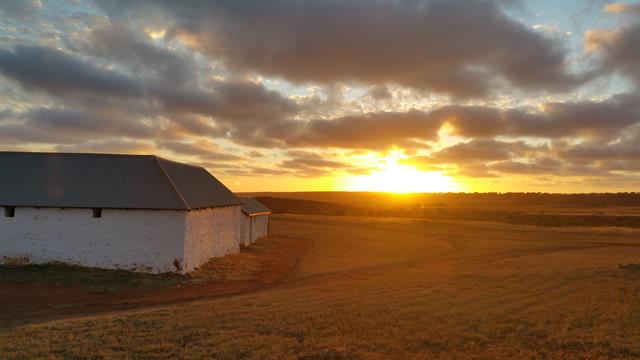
(388, 288)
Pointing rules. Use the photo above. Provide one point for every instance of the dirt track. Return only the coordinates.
(29, 303)
(352, 287)
(279, 263)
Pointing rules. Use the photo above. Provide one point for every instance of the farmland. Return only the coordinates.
(365, 287)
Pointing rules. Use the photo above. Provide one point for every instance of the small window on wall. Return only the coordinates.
(97, 212)
(9, 211)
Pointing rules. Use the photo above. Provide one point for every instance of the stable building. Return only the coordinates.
(134, 212)
(255, 220)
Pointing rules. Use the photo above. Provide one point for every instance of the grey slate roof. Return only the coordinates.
(252, 206)
(107, 181)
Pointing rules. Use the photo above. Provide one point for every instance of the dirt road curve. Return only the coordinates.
(336, 248)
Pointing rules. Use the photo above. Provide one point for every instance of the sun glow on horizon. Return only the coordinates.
(399, 178)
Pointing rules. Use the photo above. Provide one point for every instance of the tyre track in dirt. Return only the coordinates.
(73, 302)
(22, 304)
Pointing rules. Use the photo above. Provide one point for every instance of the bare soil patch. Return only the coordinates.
(38, 293)
(377, 288)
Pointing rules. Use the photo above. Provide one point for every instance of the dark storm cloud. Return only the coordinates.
(374, 42)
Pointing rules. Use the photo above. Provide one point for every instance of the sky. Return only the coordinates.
(354, 95)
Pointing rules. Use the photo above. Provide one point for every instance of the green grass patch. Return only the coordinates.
(95, 279)
(631, 267)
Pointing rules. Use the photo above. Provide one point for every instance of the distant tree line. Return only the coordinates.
(540, 198)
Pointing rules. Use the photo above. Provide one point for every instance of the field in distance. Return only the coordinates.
(374, 288)
(539, 209)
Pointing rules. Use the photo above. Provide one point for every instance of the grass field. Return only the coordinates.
(388, 288)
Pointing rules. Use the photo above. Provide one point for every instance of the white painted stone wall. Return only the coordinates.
(211, 233)
(259, 227)
(245, 228)
(142, 240)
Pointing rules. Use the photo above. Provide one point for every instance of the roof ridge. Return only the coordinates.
(75, 153)
(178, 162)
(170, 180)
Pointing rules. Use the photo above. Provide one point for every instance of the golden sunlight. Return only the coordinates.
(399, 178)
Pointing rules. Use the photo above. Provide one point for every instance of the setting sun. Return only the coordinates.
(398, 178)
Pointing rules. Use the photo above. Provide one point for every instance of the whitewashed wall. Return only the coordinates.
(211, 233)
(245, 230)
(142, 240)
(259, 227)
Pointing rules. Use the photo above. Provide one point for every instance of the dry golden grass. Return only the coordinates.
(392, 288)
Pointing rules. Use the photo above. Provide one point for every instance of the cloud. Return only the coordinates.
(251, 114)
(39, 67)
(587, 118)
(79, 123)
(234, 101)
(603, 119)
(120, 44)
(626, 148)
(121, 146)
(59, 125)
(309, 159)
(63, 75)
(606, 152)
(421, 162)
(623, 8)
(619, 49)
(370, 130)
(207, 74)
(204, 150)
(544, 165)
(20, 8)
(473, 121)
(395, 42)
(479, 150)
(101, 97)
(311, 164)
(380, 92)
